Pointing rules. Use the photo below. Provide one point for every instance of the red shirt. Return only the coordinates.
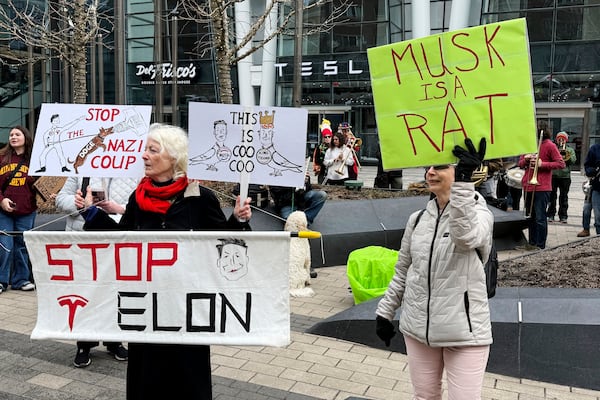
(551, 159)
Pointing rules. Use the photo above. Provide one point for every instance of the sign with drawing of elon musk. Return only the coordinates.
(268, 143)
(90, 140)
(162, 287)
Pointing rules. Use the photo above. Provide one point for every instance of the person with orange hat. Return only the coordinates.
(561, 180)
(319, 169)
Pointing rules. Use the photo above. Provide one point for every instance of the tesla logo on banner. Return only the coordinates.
(72, 301)
(329, 68)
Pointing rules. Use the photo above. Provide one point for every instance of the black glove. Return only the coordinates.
(468, 160)
(385, 330)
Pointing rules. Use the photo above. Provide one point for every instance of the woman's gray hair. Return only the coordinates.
(174, 141)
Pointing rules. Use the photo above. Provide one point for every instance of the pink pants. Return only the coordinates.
(465, 367)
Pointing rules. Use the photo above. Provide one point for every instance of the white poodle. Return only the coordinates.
(299, 257)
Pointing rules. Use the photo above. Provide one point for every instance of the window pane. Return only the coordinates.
(491, 18)
(576, 57)
(568, 24)
(540, 58)
(539, 25)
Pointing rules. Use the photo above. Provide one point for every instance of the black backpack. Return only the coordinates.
(490, 267)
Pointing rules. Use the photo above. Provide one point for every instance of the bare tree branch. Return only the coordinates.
(229, 49)
(62, 29)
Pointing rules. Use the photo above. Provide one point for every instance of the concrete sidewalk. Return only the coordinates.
(310, 367)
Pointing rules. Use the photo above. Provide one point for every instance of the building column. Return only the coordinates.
(267, 84)
(459, 15)
(242, 25)
(421, 20)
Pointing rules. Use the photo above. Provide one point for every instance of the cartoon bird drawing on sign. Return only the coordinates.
(218, 152)
(268, 155)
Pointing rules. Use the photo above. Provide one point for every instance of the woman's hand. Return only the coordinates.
(111, 207)
(83, 202)
(243, 213)
(8, 205)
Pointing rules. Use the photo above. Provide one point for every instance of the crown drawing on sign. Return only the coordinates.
(266, 120)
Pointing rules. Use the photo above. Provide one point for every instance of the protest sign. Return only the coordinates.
(90, 140)
(162, 287)
(267, 143)
(431, 93)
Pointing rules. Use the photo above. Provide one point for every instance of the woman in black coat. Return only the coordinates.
(166, 200)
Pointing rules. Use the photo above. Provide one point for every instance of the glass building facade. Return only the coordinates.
(564, 43)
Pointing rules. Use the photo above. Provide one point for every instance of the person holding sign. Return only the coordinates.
(17, 209)
(440, 283)
(166, 200)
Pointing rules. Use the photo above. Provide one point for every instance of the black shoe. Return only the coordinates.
(82, 359)
(313, 273)
(119, 352)
(43, 169)
(65, 169)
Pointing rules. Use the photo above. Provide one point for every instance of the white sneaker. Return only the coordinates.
(28, 287)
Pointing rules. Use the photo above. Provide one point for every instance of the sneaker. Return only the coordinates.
(583, 233)
(119, 352)
(313, 273)
(527, 247)
(563, 220)
(1, 288)
(27, 287)
(82, 359)
(550, 219)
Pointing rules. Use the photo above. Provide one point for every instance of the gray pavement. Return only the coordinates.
(310, 367)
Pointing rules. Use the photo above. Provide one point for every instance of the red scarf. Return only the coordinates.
(158, 199)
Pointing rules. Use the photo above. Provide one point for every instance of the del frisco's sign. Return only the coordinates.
(164, 73)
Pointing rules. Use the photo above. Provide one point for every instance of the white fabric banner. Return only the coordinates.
(162, 287)
(90, 140)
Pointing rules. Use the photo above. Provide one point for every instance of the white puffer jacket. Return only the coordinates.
(116, 189)
(439, 277)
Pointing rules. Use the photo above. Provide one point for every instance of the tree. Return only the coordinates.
(230, 48)
(60, 30)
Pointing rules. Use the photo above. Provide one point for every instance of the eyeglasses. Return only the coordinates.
(439, 167)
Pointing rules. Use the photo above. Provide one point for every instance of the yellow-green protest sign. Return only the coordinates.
(431, 93)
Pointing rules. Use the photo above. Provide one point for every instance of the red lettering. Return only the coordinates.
(476, 59)
(138, 267)
(442, 62)
(93, 248)
(449, 107)
(58, 262)
(490, 47)
(400, 57)
(166, 262)
(491, 111)
(419, 126)
(102, 114)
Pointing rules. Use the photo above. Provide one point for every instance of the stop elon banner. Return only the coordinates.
(162, 287)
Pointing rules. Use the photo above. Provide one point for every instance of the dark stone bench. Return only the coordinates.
(556, 339)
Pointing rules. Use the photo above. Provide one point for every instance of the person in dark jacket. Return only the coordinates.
(592, 171)
(166, 200)
(307, 199)
(17, 209)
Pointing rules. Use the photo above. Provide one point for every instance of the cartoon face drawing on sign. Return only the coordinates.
(52, 141)
(233, 258)
(218, 152)
(268, 155)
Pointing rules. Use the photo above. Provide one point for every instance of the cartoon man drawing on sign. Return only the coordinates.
(52, 141)
(218, 152)
(233, 258)
(268, 155)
